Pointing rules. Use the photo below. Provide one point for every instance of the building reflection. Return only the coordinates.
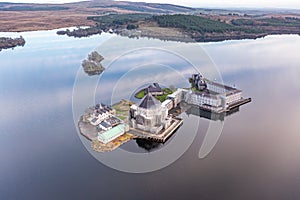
(196, 111)
(189, 110)
(148, 145)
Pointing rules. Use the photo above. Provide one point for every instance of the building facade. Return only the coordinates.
(149, 116)
(154, 90)
(206, 94)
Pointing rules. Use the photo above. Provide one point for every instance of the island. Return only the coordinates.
(92, 65)
(80, 32)
(156, 117)
(7, 42)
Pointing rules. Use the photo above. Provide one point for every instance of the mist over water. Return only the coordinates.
(256, 156)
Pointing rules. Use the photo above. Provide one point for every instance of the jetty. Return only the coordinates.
(163, 136)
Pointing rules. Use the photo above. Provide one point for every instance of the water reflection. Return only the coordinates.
(148, 145)
(256, 157)
(194, 110)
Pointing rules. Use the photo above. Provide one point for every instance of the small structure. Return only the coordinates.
(92, 65)
(112, 133)
(168, 104)
(177, 96)
(154, 90)
(99, 114)
(105, 126)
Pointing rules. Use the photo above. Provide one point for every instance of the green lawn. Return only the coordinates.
(161, 98)
(140, 95)
(195, 89)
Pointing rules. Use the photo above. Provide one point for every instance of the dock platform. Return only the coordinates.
(161, 137)
(228, 109)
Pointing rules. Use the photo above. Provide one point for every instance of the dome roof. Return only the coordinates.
(149, 102)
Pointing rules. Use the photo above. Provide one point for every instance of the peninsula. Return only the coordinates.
(92, 65)
(197, 27)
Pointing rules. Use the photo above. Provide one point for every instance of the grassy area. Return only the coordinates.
(167, 92)
(121, 113)
(140, 94)
(294, 22)
(122, 117)
(196, 90)
(243, 22)
(122, 109)
(119, 19)
(161, 98)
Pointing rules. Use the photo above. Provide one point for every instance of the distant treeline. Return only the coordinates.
(193, 23)
(202, 29)
(187, 23)
(81, 32)
(273, 21)
(288, 21)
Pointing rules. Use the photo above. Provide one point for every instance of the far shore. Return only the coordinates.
(44, 20)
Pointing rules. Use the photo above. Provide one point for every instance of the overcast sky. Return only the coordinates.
(295, 4)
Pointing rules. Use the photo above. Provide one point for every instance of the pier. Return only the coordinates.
(161, 137)
(238, 104)
(225, 110)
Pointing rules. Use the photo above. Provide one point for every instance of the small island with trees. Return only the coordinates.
(80, 32)
(7, 42)
(92, 65)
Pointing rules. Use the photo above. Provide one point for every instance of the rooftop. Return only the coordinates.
(114, 131)
(104, 124)
(149, 102)
(154, 88)
(226, 87)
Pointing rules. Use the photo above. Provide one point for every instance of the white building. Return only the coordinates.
(178, 96)
(99, 115)
(150, 116)
(204, 99)
(215, 94)
(167, 104)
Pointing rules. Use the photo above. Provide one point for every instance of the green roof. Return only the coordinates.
(114, 131)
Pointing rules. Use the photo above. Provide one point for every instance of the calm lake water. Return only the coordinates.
(43, 157)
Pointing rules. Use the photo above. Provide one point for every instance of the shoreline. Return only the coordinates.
(167, 38)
